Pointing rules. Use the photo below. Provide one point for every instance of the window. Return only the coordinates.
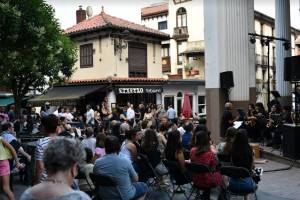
(162, 25)
(179, 103)
(181, 47)
(86, 55)
(165, 51)
(181, 15)
(168, 100)
(201, 105)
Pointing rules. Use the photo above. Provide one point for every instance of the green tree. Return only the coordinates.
(34, 52)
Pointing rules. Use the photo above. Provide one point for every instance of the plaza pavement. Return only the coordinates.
(280, 185)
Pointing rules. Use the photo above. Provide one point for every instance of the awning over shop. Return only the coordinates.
(4, 101)
(193, 51)
(65, 95)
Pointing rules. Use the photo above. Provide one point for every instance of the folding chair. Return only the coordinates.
(104, 181)
(178, 178)
(153, 178)
(197, 169)
(238, 173)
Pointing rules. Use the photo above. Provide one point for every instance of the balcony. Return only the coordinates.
(258, 59)
(166, 64)
(181, 33)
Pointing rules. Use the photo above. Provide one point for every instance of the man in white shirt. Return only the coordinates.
(171, 113)
(130, 114)
(90, 116)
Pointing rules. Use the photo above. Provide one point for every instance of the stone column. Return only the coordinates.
(282, 30)
(227, 48)
(111, 98)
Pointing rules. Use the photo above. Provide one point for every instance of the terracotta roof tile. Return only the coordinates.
(103, 20)
(154, 10)
(116, 80)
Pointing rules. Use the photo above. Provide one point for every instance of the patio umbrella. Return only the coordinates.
(186, 107)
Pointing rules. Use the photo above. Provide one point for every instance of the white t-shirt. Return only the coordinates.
(130, 113)
(90, 116)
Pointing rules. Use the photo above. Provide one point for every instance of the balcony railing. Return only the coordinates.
(166, 64)
(181, 32)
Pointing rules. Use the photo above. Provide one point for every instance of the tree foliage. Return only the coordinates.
(33, 50)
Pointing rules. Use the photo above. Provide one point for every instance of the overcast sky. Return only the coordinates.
(130, 9)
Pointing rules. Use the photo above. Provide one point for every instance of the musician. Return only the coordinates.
(251, 123)
(274, 126)
(227, 118)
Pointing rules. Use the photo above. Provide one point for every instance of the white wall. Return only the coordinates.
(153, 23)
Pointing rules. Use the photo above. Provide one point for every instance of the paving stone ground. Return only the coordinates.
(278, 185)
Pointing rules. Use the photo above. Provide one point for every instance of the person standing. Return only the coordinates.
(227, 118)
(50, 129)
(90, 116)
(171, 113)
(89, 141)
(6, 153)
(130, 114)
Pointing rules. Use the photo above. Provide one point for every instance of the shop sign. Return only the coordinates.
(139, 90)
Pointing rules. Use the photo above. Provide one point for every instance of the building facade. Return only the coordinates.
(183, 54)
(117, 60)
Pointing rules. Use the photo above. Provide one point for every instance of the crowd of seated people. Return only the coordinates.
(117, 153)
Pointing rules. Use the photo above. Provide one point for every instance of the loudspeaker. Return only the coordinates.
(226, 80)
(290, 141)
(292, 68)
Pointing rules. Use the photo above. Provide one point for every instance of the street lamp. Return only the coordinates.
(265, 41)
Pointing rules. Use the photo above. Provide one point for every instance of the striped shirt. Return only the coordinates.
(39, 153)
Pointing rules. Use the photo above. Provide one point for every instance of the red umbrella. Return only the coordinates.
(186, 109)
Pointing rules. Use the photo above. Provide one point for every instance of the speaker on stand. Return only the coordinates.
(226, 82)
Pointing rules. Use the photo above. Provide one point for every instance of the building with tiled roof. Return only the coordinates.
(158, 10)
(116, 58)
(104, 21)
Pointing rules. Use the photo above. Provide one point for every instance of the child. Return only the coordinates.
(6, 153)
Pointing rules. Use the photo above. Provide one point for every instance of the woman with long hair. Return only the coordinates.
(202, 154)
(226, 147)
(174, 149)
(242, 156)
(150, 147)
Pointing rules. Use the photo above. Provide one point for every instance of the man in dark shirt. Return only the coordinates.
(227, 118)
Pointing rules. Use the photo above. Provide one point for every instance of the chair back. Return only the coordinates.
(224, 157)
(235, 172)
(176, 173)
(102, 181)
(197, 168)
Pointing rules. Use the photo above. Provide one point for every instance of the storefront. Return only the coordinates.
(173, 94)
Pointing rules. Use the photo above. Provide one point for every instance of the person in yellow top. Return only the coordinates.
(7, 152)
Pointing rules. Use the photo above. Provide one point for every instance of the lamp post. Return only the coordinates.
(265, 41)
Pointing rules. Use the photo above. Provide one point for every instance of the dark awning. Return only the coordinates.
(65, 95)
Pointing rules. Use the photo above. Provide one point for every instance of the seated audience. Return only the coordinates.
(99, 150)
(149, 147)
(174, 150)
(62, 158)
(242, 156)
(129, 149)
(202, 154)
(121, 171)
(187, 136)
(86, 184)
(89, 141)
(225, 147)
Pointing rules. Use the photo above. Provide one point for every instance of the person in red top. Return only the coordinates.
(202, 154)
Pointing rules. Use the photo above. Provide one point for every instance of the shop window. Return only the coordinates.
(201, 105)
(181, 17)
(169, 100)
(162, 25)
(86, 55)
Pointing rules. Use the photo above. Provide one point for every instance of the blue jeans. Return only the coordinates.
(140, 189)
(245, 185)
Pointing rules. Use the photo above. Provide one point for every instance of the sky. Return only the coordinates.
(130, 9)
